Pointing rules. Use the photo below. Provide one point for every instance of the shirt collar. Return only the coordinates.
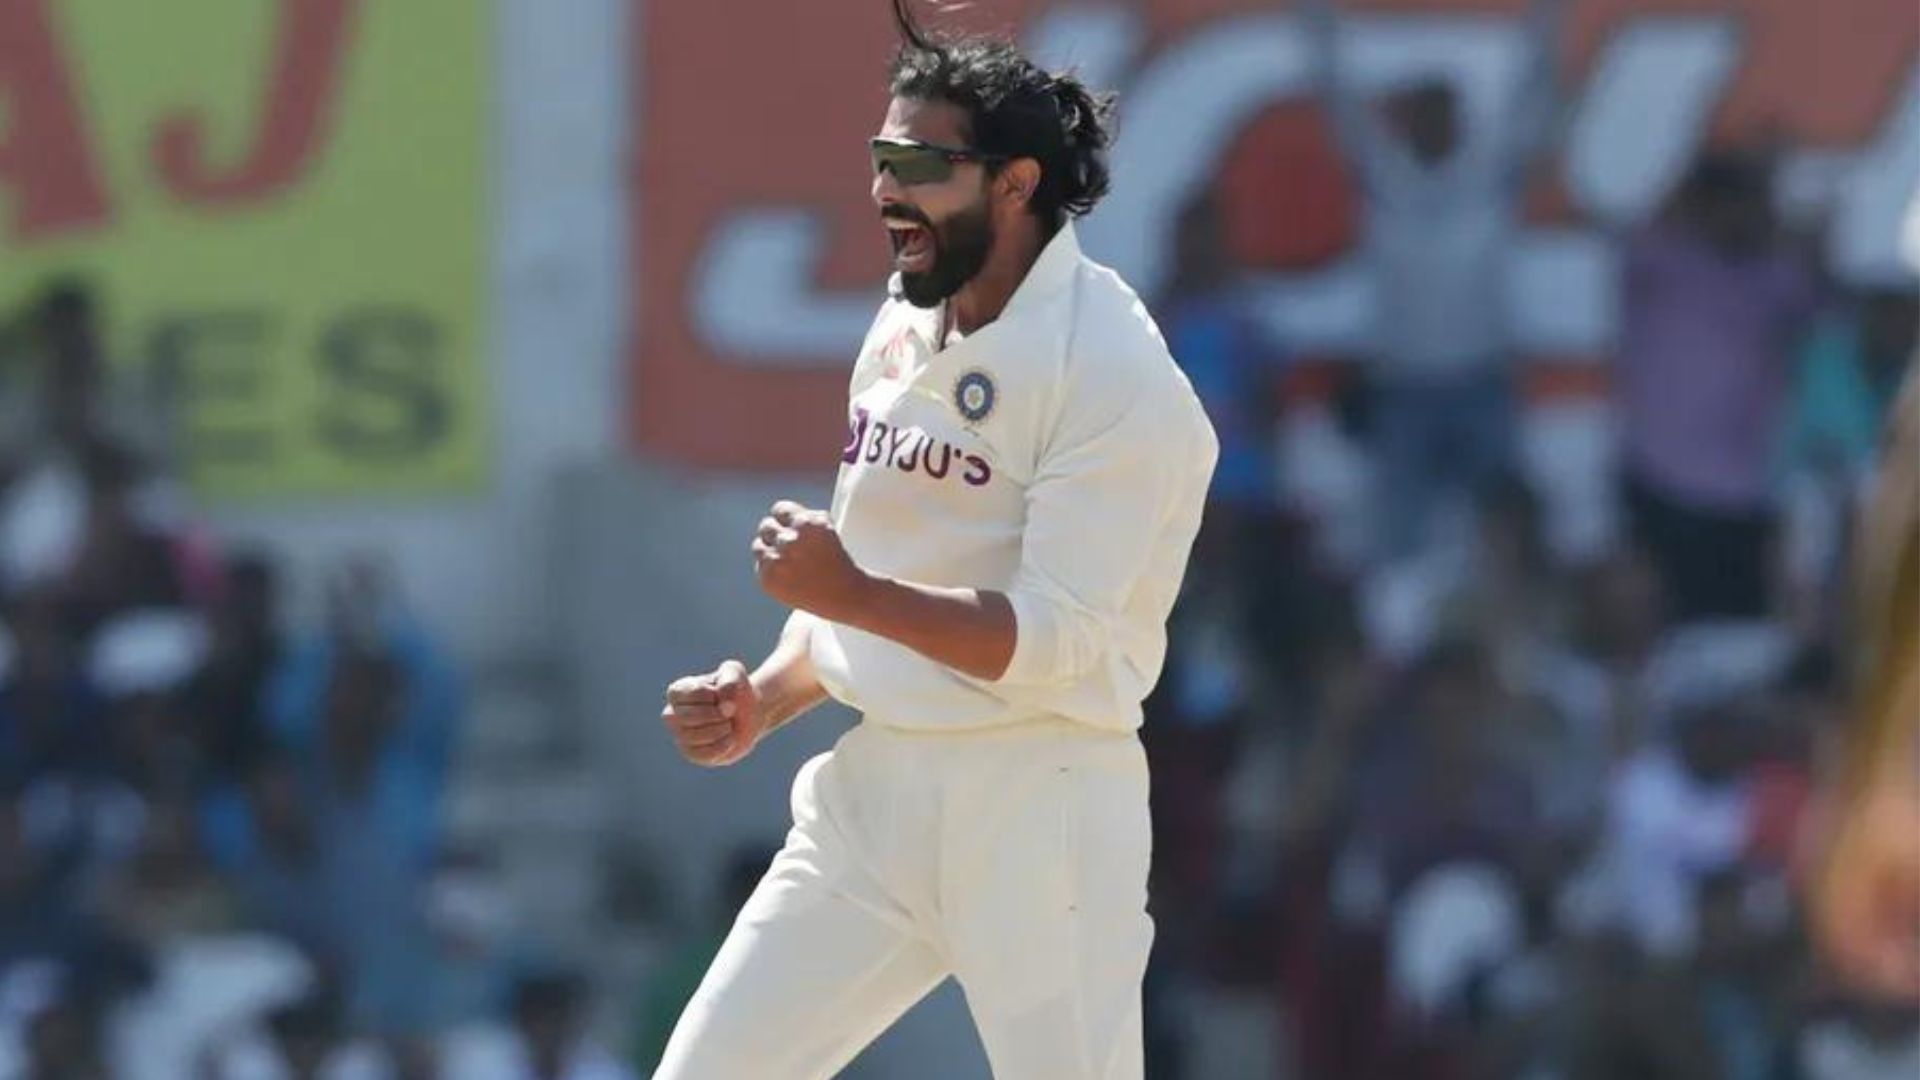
(1049, 273)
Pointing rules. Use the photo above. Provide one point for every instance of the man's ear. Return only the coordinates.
(1018, 180)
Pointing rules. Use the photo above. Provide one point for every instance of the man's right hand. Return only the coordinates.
(714, 718)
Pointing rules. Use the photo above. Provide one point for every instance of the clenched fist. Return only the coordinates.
(714, 718)
(800, 562)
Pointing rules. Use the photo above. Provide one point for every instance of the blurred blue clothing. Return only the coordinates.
(280, 887)
(1431, 440)
(373, 842)
(403, 801)
(1216, 344)
(61, 731)
(1838, 412)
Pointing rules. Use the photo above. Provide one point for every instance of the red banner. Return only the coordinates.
(758, 257)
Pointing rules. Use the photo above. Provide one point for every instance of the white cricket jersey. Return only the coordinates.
(1057, 455)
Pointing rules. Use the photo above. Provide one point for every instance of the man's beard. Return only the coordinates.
(960, 250)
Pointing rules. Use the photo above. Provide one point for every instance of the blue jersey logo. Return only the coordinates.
(974, 395)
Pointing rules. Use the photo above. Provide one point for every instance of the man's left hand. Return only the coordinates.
(800, 561)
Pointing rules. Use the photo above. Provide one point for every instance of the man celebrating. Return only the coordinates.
(1442, 214)
(1013, 514)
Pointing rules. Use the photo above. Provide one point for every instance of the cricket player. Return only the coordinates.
(1020, 488)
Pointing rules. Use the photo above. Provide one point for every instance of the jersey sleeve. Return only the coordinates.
(1118, 466)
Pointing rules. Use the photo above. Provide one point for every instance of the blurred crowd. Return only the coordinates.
(222, 853)
(1451, 780)
(1457, 784)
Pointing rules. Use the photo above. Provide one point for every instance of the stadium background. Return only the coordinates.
(533, 307)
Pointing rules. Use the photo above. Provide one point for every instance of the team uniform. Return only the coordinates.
(992, 831)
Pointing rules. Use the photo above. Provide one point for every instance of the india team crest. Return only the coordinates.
(974, 395)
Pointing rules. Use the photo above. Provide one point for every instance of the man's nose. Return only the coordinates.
(886, 187)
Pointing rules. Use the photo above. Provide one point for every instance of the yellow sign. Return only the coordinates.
(284, 204)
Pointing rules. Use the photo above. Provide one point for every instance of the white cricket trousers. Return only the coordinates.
(1014, 859)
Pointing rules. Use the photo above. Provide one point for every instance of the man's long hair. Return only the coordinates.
(1014, 109)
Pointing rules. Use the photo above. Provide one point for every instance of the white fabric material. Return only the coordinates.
(148, 652)
(205, 987)
(1715, 663)
(42, 518)
(1666, 833)
(1836, 1050)
(1014, 860)
(254, 1057)
(1438, 239)
(1455, 923)
(499, 1053)
(1056, 454)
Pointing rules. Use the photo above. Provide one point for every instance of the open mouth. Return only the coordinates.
(912, 245)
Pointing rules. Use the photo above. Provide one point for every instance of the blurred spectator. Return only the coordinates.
(1713, 304)
(39, 918)
(1457, 925)
(43, 514)
(368, 710)
(1447, 786)
(1679, 813)
(376, 822)
(73, 364)
(1860, 1040)
(142, 663)
(1799, 710)
(64, 1040)
(73, 395)
(1721, 1004)
(81, 508)
(1328, 964)
(1512, 596)
(1514, 592)
(547, 1041)
(1620, 617)
(55, 366)
(1366, 980)
(125, 559)
(1441, 213)
(171, 771)
(1850, 373)
(1744, 972)
(1526, 829)
(472, 923)
(50, 714)
(85, 827)
(1194, 721)
(550, 1013)
(1211, 332)
(167, 889)
(669, 991)
(263, 835)
(1339, 699)
(370, 707)
(1500, 583)
(305, 1039)
(229, 692)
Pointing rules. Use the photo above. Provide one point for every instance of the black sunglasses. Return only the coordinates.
(915, 162)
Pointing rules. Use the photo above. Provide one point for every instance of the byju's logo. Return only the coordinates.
(911, 450)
